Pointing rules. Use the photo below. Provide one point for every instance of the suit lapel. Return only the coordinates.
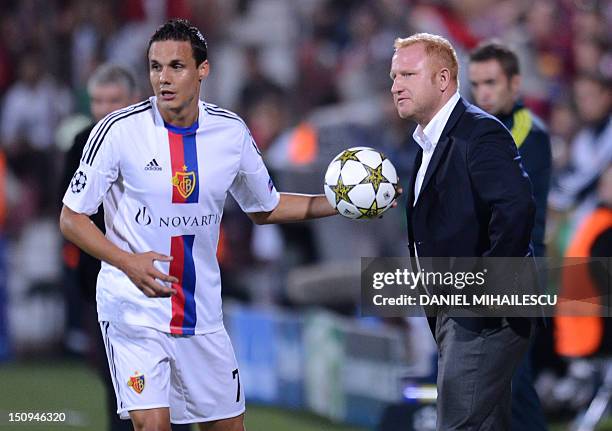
(440, 150)
(458, 111)
(417, 164)
(435, 160)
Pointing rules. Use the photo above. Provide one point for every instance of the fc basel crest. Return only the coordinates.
(137, 382)
(184, 183)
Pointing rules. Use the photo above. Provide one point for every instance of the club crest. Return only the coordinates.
(137, 382)
(184, 183)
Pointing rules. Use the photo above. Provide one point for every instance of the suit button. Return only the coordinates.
(419, 242)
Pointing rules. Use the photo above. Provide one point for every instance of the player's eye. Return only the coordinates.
(177, 66)
(156, 67)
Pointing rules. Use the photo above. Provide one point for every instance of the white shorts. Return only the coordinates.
(196, 376)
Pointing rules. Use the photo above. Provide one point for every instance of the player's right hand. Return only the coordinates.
(139, 268)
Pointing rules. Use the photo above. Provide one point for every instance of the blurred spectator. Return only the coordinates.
(592, 55)
(591, 149)
(32, 109)
(255, 83)
(262, 101)
(253, 272)
(94, 22)
(364, 62)
(589, 19)
(23, 120)
(318, 56)
(544, 52)
(563, 125)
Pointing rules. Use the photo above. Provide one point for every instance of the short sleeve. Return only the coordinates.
(253, 188)
(98, 169)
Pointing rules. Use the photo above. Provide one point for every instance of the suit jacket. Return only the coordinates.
(476, 199)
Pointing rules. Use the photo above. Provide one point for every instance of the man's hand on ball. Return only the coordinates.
(398, 192)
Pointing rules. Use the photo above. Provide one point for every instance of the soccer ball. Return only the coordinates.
(360, 183)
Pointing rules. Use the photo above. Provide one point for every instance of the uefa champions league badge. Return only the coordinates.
(137, 382)
(78, 182)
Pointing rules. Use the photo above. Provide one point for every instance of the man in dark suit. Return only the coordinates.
(469, 197)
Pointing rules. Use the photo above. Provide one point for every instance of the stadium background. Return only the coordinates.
(310, 78)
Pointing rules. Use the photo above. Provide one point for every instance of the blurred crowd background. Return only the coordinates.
(310, 78)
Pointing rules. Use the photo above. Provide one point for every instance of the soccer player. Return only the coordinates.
(163, 168)
(109, 88)
(495, 78)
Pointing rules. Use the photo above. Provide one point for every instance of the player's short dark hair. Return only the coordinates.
(182, 30)
(495, 50)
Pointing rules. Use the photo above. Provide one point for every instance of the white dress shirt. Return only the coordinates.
(428, 138)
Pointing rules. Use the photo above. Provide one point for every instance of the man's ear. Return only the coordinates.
(203, 70)
(444, 78)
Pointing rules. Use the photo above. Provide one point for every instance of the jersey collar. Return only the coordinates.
(159, 121)
(182, 130)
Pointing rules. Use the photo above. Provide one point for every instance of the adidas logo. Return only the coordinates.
(153, 166)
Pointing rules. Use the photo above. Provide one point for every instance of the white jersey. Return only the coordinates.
(163, 190)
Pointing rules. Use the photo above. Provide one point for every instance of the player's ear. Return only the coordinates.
(203, 70)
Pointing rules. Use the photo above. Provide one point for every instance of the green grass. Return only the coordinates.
(71, 387)
(268, 418)
(51, 387)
